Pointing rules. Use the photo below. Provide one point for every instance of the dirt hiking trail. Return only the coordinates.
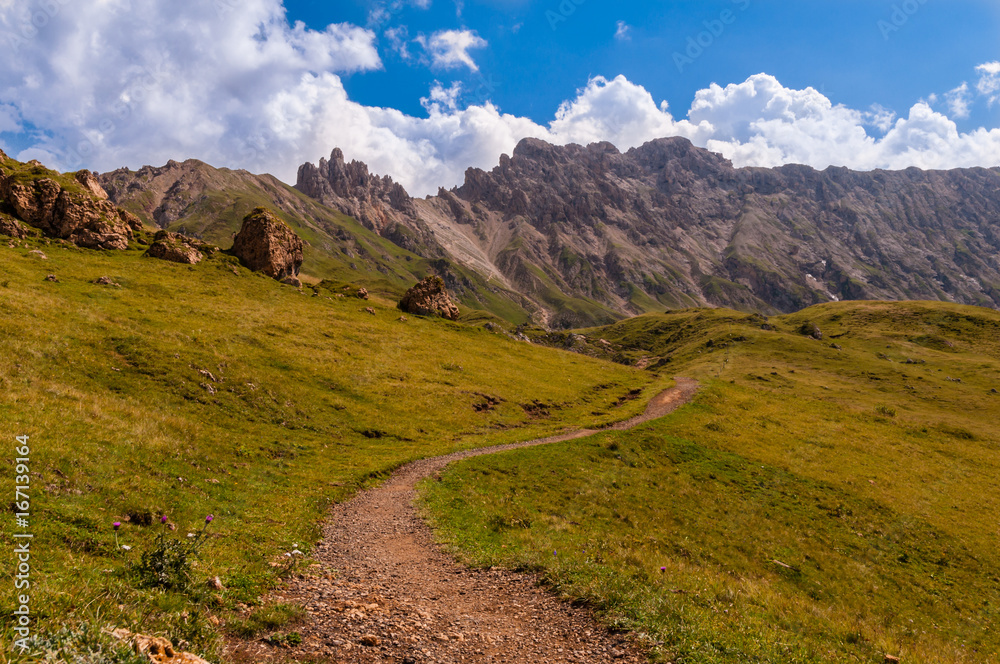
(385, 592)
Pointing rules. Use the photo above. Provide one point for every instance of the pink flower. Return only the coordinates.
(117, 525)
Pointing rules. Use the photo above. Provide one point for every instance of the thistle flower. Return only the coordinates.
(208, 519)
(163, 519)
(117, 525)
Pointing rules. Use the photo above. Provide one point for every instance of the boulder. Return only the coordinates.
(810, 329)
(429, 298)
(266, 244)
(176, 248)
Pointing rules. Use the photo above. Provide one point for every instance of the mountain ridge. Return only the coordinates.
(584, 235)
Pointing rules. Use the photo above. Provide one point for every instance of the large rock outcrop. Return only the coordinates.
(77, 211)
(429, 298)
(266, 244)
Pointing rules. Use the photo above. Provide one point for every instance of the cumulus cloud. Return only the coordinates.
(761, 123)
(449, 49)
(989, 81)
(246, 89)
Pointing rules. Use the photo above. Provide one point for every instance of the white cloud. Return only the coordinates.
(442, 99)
(761, 123)
(244, 89)
(623, 31)
(989, 81)
(450, 48)
(959, 101)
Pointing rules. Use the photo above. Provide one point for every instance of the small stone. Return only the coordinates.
(106, 281)
(370, 640)
(363, 293)
(52, 277)
(891, 659)
(402, 319)
(38, 253)
(215, 583)
(370, 310)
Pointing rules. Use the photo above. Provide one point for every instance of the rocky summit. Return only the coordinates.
(266, 244)
(376, 201)
(429, 298)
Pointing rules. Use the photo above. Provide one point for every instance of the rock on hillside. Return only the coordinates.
(429, 298)
(178, 248)
(266, 244)
(70, 208)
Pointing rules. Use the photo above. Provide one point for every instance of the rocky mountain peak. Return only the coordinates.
(338, 183)
(376, 201)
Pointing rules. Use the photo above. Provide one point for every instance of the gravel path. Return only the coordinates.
(386, 593)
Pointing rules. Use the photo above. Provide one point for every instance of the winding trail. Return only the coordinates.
(385, 592)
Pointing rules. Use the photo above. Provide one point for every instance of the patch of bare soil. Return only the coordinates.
(384, 592)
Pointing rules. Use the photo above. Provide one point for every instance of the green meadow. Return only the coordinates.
(829, 500)
(193, 390)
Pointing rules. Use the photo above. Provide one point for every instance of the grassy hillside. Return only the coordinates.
(189, 390)
(827, 500)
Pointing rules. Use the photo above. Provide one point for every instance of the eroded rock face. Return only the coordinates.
(177, 248)
(429, 298)
(266, 244)
(10, 226)
(83, 219)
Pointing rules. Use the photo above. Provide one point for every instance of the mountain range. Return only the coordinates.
(569, 236)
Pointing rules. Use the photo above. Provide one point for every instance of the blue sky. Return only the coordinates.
(857, 52)
(423, 89)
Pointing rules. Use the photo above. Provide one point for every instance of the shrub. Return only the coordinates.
(168, 563)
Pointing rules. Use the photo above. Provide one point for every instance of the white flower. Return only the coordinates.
(126, 547)
(190, 534)
(296, 552)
